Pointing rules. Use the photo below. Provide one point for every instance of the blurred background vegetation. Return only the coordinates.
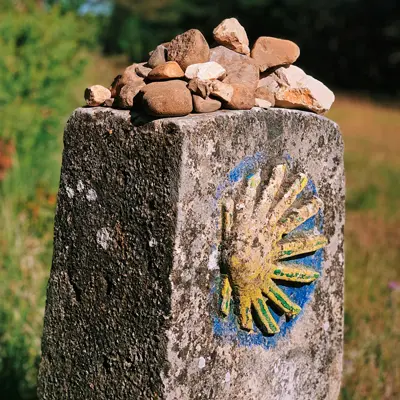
(51, 49)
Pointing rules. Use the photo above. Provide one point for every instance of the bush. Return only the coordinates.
(42, 52)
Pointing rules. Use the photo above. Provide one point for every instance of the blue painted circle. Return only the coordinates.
(227, 328)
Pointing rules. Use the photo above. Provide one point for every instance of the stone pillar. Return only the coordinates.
(197, 258)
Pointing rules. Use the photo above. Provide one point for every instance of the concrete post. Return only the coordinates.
(197, 258)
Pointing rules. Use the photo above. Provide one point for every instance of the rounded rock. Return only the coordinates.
(271, 52)
(168, 70)
(189, 48)
(167, 99)
(96, 95)
(130, 75)
(206, 105)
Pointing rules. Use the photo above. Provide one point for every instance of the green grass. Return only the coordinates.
(27, 206)
(372, 234)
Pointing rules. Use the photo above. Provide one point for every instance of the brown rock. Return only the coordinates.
(223, 91)
(130, 75)
(262, 103)
(165, 44)
(265, 93)
(96, 95)
(158, 56)
(200, 87)
(271, 81)
(226, 57)
(243, 73)
(239, 68)
(142, 70)
(189, 48)
(168, 99)
(116, 86)
(232, 35)
(205, 88)
(271, 52)
(168, 70)
(243, 98)
(206, 105)
(127, 94)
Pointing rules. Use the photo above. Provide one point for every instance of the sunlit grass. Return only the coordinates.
(372, 317)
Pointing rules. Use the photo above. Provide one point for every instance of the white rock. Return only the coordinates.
(96, 95)
(299, 90)
(321, 93)
(207, 70)
(232, 35)
(291, 76)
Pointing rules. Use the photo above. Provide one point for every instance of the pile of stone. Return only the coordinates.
(185, 75)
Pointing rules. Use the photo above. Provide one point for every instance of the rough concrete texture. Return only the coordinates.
(130, 304)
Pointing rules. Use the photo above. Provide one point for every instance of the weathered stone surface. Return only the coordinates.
(168, 70)
(189, 48)
(170, 98)
(244, 74)
(132, 308)
(208, 70)
(96, 95)
(223, 91)
(158, 56)
(265, 93)
(300, 90)
(207, 105)
(262, 103)
(142, 70)
(127, 94)
(270, 52)
(232, 35)
(243, 98)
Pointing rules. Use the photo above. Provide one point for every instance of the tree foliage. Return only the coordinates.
(352, 44)
(41, 55)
